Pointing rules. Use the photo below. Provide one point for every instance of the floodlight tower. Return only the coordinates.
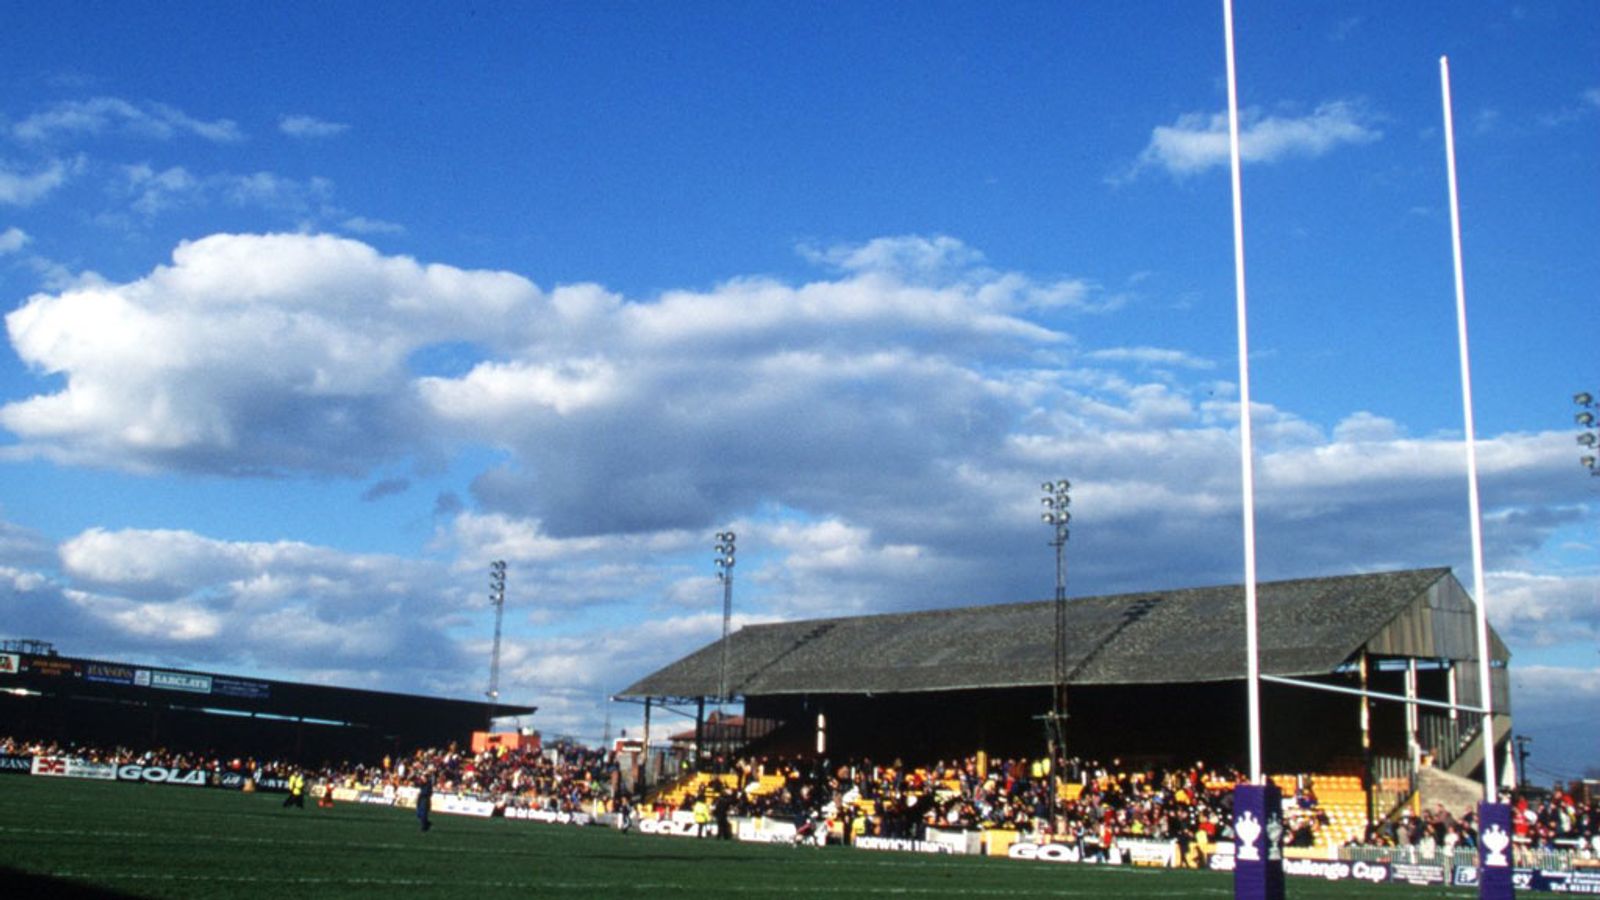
(1589, 438)
(1056, 501)
(724, 563)
(497, 596)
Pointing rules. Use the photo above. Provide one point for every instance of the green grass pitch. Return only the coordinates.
(161, 841)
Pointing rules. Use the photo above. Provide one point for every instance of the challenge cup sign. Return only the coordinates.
(1495, 841)
(1495, 875)
(1248, 828)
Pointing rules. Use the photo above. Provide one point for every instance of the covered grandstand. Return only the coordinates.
(1155, 676)
(46, 696)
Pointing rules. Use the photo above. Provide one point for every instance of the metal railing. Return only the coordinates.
(1447, 738)
(1393, 783)
(1549, 860)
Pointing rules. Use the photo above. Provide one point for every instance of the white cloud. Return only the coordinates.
(1364, 427)
(1199, 141)
(1531, 609)
(620, 419)
(155, 192)
(26, 188)
(273, 191)
(510, 389)
(248, 353)
(1151, 357)
(365, 225)
(310, 127)
(151, 192)
(943, 260)
(876, 441)
(1587, 104)
(112, 115)
(12, 240)
(294, 606)
(905, 254)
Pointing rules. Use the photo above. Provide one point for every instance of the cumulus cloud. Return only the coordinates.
(248, 354)
(1532, 609)
(310, 127)
(288, 606)
(943, 260)
(304, 612)
(840, 398)
(875, 436)
(113, 115)
(1197, 142)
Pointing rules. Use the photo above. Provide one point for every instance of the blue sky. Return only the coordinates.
(313, 311)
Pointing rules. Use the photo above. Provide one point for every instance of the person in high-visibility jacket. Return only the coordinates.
(297, 791)
(702, 816)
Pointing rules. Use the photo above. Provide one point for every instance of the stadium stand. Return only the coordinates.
(47, 696)
(1154, 678)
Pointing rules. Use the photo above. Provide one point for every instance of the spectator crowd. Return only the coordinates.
(1102, 803)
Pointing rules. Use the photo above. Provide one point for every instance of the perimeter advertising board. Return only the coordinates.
(11, 764)
(172, 681)
(67, 767)
(10, 664)
(240, 687)
(108, 673)
(162, 775)
(52, 666)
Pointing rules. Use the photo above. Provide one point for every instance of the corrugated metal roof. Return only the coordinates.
(1307, 627)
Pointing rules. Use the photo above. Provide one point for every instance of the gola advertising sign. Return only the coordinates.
(681, 824)
(1046, 852)
(162, 775)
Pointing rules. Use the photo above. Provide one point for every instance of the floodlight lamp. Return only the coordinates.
(1588, 462)
(1583, 398)
(1063, 485)
(1587, 439)
(1585, 418)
